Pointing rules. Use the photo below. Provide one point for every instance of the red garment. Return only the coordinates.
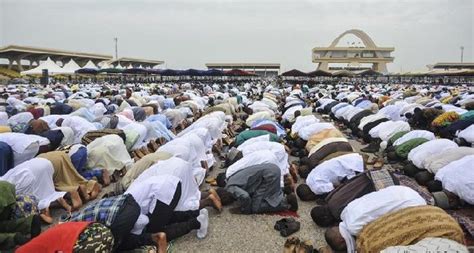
(59, 238)
(37, 112)
(266, 127)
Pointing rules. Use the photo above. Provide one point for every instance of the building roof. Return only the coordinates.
(37, 53)
(135, 61)
(244, 65)
(457, 65)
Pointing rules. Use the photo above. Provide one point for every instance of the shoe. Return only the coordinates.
(290, 228)
(279, 224)
(203, 219)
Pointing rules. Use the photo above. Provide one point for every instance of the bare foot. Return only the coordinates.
(212, 191)
(294, 172)
(216, 203)
(105, 177)
(160, 241)
(46, 218)
(64, 204)
(95, 191)
(83, 193)
(76, 200)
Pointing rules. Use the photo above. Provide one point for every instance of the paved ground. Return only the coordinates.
(251, 233)
(244, 233)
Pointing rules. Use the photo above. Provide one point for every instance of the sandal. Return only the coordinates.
(289, 228)
(379, 163)
(291, 244)
(279, 224)
(305, 247)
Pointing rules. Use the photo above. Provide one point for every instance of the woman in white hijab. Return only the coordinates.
(24, 146)
(35, 177)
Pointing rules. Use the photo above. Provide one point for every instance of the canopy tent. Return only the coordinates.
(237, 72)
(105, 65)
(111, 71)
(51, 66)
(319, 73)
(136, 71)
(367, 72)
(90, 65)
(71, 67)
(343, 73)
(87, 71)
(294, 72)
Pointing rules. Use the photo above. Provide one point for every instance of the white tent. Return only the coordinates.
(119, 66)
(71, 67)
(105, 65)
(90, 65)
(51, 66)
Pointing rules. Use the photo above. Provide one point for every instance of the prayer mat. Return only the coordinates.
(410, 182)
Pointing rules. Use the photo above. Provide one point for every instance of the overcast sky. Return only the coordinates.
(190, 33)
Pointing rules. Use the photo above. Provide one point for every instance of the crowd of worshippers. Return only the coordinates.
(155, 146)
(425, 134)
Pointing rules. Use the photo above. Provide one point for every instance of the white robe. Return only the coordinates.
(419, 155)
(414, 134)
(369, 207)
(467, 134)
(79, 125)
(147, 192)
(458, 178)
(254, 158)
(302, 121)
(190, 194)
(108, 152)
(276, 148)
(24, 146)
(435, 162)
(306, 131)
(34, 177)
(323, 178)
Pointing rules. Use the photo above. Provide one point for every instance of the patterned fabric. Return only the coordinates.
(429, 245)
(381, 179)
(25, 206)
(408, 226)
(445, 119)
(103, 211)
(95, 238)
(19, 128)
(410, 182)
(465, 217)
(92, 135)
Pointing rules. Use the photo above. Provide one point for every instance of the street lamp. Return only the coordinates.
(462, 53)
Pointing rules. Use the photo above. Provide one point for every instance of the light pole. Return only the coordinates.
(462, 53)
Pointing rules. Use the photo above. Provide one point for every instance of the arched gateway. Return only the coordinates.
(369, 53)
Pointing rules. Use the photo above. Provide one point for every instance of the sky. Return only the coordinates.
(189, 33)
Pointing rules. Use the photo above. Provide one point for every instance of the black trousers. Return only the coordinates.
(124, 223)
(173, 223)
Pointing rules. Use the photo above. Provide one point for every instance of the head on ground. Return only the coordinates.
(304, 193)
(221, 180)
(434, 186)
(225, 196)
(424, 177)
(334, 239)
(303, 171)
(322, 216)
